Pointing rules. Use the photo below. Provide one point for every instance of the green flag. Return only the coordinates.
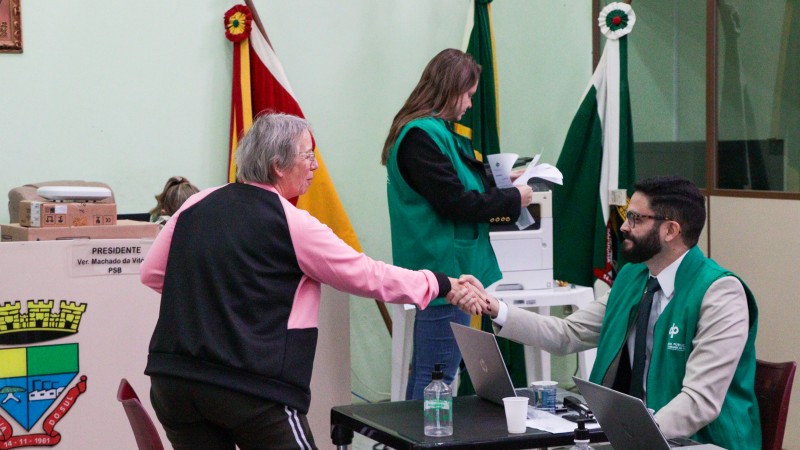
(597, 162)
(480, 123)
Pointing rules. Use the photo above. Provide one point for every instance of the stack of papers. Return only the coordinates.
(542, 171)
(502, 164)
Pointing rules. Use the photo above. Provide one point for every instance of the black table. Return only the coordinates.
(476, 424)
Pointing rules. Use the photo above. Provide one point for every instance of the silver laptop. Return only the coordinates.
(627, 423)
(485, 365)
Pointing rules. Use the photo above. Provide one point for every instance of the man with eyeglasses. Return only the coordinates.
(691, 357)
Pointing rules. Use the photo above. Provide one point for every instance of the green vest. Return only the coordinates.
(738, 425)
(422, 239)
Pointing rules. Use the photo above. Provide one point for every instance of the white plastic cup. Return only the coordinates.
(545, 393)
(516, 413)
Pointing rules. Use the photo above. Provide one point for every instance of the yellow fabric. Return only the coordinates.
(494, 64)
(475, 322)
(247, 98)
(322, 201)
(232, 153)
(243, 48)
(463, 130)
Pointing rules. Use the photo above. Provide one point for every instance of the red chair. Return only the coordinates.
(144, 430)
(773, 390)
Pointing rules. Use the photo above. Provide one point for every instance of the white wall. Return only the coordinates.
(131, 93)
(128, 93)
(758, 240)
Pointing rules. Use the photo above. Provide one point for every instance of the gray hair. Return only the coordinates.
(272, 140)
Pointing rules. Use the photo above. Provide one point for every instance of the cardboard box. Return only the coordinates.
(124, 229)
(34, 213)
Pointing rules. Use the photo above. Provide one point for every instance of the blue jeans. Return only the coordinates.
(434, 343)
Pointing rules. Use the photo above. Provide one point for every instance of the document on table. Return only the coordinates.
(543, 420)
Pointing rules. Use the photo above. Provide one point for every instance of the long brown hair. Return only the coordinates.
(176, 191)
(448, 75)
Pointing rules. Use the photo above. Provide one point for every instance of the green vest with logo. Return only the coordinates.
(738, 424)
(421, 238)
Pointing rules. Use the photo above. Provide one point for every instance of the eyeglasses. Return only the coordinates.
(636, 218)
(309, 156)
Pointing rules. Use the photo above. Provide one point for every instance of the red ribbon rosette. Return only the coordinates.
(238, 22)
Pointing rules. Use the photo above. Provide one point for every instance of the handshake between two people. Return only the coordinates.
(468, 294)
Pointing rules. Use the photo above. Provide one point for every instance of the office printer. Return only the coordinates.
(526, 256)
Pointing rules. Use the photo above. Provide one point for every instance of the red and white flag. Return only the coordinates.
(260, 85)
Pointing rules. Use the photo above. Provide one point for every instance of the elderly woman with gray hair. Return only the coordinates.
(239, 270)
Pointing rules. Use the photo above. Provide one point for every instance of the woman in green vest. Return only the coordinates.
(441, 203)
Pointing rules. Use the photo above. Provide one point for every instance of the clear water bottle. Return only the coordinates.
(581, 437)
(438, 405)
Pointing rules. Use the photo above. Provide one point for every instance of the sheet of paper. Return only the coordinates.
(501, 165)
(535, 160)
(525, 219)
(552, 423)
(543, 171)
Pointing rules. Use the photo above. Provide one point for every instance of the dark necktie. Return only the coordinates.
(640, 345)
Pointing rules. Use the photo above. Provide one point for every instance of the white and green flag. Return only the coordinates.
(597, 163)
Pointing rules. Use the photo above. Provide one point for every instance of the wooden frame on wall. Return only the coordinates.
(712, 113)
(10, 27)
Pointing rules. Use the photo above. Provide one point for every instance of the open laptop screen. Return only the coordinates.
(625, 420)
(484, 362)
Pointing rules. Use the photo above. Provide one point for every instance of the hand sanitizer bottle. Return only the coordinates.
(438, 405)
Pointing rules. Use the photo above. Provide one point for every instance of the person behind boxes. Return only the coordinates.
(239, 269)
(176, 191)
(697, 354)
(441, 203)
